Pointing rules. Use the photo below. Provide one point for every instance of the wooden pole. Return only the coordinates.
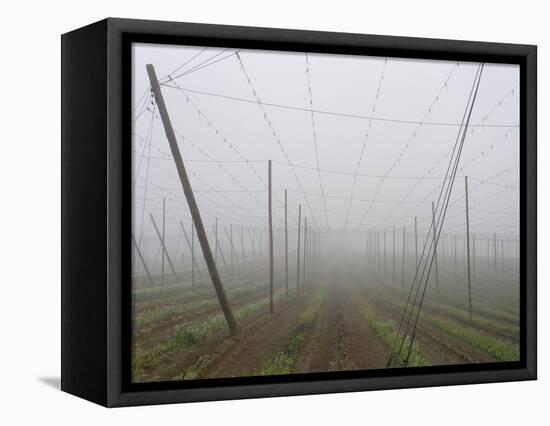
(286, 244)
(416, 241)
(232, 250)
(164, 251)
(270, 218)
(393, 260)
(474, 258)
(378, 250)
(298, 252)
(190, 197)
(222, 256)
(403, 264)
(242, 246)
(163, 236)
(192, 254)
(435, 253)
(309, 251)
(253, 234)
(305, 253)
(495, 251)
(456, 246)
(502, 254)
(468, 248)
(176, 253)
(384, 264)
(143, 262)
(188, 241)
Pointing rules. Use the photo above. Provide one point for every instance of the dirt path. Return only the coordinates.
(254, 346)
(341, 338)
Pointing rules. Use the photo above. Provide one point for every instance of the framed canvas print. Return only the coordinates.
(251, 212)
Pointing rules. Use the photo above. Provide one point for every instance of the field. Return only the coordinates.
(300, 212)
(345, 318)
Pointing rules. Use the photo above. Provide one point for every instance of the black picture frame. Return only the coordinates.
(96, 211)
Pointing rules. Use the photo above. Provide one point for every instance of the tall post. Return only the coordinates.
(416, 241)
(286, 245)
(393, 260)
(305, 253)
(242, 246)
(488, 253)
(435, 253)
(231, 252)
(270, 217)
(253, 234)
(190, 197)
(309, 252)
(495, 251)
(192, 254)
(474, 280)
(143, 262)
(384, 263)
(468, 248)
(221, 255)
(378, 250)
(163, 238)
(502, 254)
(188, 241)
(164, 250)
(298, 252)
(403, 263)
(455, 259)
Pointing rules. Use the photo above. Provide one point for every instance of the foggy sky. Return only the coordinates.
(395, 155)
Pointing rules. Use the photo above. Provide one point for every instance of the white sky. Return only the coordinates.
(228, 129)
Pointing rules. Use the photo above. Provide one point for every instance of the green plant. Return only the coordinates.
(283, 362)
(387, 332)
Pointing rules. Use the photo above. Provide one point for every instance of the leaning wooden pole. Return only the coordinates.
(222, 256)
(164, 251)
(270, 221)
(286, 243)
(298, 252)
(143, 262)
(232, 251)
(468, 248)
(190, 197)
(191, 248)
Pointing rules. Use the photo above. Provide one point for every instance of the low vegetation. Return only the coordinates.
(283, 362)
(387, 332)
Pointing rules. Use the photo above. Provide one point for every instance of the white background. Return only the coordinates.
(30, 211)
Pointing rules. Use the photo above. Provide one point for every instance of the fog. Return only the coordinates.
(362, 144)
